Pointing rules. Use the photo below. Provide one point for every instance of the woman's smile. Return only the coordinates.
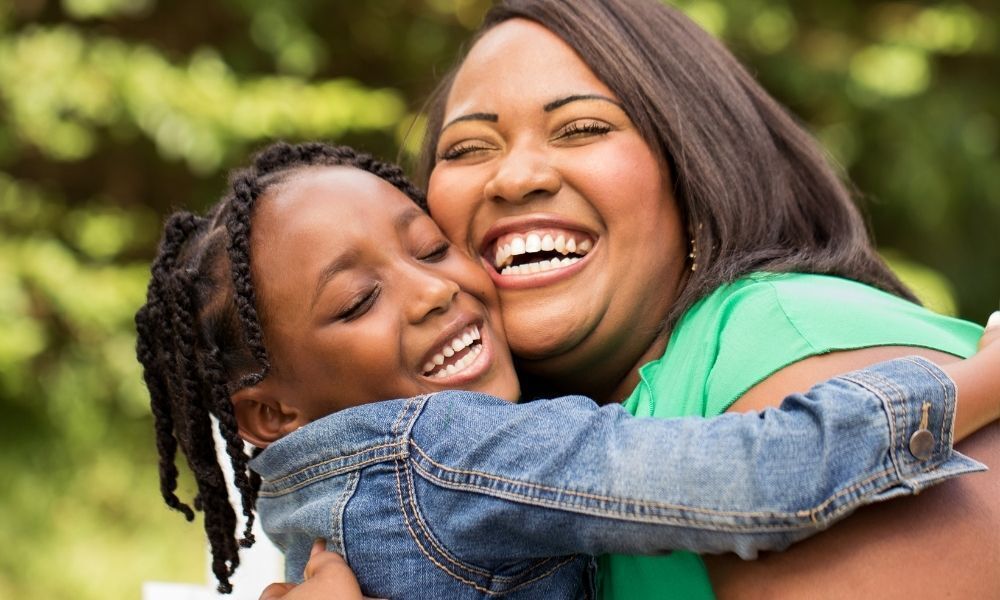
(542, 173)
(535, 250)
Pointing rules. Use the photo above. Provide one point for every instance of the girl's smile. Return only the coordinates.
(364, 298)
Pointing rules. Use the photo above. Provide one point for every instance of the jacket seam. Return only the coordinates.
(813, 514)
(413, 516)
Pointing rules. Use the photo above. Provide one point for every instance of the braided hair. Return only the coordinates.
(200, 338)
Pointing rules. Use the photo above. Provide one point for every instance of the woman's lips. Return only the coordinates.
(535, 250)
(538, 250)
(538, 276)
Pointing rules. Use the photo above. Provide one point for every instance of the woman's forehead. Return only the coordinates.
(524, 62)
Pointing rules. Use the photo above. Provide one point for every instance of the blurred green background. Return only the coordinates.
(115, 112)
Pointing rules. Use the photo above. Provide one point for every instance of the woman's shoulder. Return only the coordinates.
(766, 321)
(830, 313)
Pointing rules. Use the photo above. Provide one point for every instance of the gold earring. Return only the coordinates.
(694, 250)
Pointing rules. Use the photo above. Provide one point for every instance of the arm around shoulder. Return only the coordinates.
(565, 476)
(894, 550)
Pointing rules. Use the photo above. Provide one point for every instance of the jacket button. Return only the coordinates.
(921, 444)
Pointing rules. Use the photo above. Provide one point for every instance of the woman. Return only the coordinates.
(624, 121)
(624, 127)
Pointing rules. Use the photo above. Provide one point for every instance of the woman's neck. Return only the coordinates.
(608, 378)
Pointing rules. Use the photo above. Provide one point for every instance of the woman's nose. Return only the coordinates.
(429, 293)
(523, 174)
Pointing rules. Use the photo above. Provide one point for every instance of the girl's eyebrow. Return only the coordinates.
(549, 107)
(350, 258)
(342, 263)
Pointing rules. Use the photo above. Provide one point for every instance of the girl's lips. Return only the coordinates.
(478, 366)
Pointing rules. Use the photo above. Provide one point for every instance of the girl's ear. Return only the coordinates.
(262, 417)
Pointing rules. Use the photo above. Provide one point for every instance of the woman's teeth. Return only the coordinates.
(516, 244)
(465, 344)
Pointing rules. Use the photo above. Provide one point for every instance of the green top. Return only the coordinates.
(737, 337)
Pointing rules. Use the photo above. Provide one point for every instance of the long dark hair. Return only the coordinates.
(200, 338)
(754, 188)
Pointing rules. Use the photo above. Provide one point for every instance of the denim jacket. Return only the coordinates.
(462, 495)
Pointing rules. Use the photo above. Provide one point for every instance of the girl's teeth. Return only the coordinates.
(571, 245)
(461, 365)
(560, 244)
(548, 243)
(462, 341)
(516, 246)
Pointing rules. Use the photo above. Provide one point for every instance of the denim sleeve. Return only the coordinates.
(501, 482)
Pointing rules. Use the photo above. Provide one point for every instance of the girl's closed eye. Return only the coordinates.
(360, 304)
(436, 253)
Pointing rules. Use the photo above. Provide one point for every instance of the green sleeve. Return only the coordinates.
(781, 319)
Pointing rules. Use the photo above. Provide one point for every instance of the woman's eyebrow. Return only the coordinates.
(551, 106)
(491, 117)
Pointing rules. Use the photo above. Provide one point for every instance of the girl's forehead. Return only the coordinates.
(331, 193)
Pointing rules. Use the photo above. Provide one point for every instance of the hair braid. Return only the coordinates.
(201, 337)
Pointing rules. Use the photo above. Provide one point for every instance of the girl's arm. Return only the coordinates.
(590, 481)
(896, 550)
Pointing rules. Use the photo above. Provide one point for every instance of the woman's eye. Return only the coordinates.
(360, 305)
(437, 253)
(578, 129)
(462, 149)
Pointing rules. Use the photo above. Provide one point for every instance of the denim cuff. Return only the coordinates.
(919, 400)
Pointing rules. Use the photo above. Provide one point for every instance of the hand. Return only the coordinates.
(327, 577)
(978, 381)
(992, 333)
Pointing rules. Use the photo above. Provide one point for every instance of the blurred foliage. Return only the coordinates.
(115, 112)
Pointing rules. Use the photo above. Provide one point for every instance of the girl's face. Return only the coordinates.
(364, 299)
(538, 161)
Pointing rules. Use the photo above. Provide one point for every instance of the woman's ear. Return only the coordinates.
(262, 417)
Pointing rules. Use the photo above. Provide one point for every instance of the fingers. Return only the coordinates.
(992, 333)
(276, 591)
(330, 572)
(318, 546)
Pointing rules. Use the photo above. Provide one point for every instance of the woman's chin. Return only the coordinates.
(545, 336)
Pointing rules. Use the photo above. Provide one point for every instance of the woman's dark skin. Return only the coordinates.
(901, 549)
(526, 172)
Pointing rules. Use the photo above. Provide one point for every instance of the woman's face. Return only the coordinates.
(542, 174)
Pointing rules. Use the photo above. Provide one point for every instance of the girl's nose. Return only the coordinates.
(525, 173)
(429, 292)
